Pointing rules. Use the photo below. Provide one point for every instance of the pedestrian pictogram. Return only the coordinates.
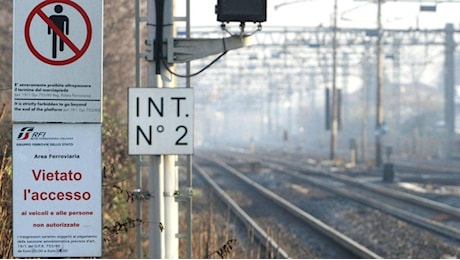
(59, 26)
(62, 23)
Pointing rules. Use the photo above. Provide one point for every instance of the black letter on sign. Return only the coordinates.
(178, 104)
(160, 111)
(149, 139)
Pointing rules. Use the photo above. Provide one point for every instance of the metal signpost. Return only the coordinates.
(161, 115)
(57, 115)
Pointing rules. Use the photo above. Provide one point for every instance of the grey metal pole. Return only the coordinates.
(156, 206)
(449, 92)
(171, 178)
(189, 205)
(156, 171)
(138, 158)
(344, 104)
(379, 112)
(365, 104)
(335, 98)
(189, 164)
(171, 207)
(396, 107)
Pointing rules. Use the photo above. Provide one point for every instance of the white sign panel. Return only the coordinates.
(57, 190)
(160, 121)
(57, 61)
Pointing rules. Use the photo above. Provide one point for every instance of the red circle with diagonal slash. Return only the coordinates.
(78, 51)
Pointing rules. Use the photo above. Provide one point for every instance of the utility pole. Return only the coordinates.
(379, 108)
(449, 91)
(335, 96)
(365, 104)
(430, 7)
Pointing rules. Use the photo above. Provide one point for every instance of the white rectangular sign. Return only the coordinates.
(57, 61)
(57, 190)
(160, 121)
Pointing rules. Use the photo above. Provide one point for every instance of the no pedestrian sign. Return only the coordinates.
(59, 30)
(57, 61)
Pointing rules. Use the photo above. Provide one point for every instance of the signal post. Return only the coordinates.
(161, 114)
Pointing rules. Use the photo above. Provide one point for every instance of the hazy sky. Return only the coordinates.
(352, 13)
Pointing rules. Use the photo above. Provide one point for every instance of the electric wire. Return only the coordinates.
(196, 73)
(259, 28)
(201, 70)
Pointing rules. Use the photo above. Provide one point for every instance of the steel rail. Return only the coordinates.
(420, 201)
(434, 226)
(346, 242)
(259, 233)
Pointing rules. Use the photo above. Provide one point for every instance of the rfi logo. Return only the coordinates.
(26, 132)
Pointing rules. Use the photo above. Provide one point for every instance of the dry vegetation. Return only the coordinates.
(6, 205)
(5, 153)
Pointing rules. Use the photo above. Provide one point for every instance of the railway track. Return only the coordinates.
(438, 173)
(303, 235)
(435, 217)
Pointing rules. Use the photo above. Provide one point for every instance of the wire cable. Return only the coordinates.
(196, 73)
(201, 70)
